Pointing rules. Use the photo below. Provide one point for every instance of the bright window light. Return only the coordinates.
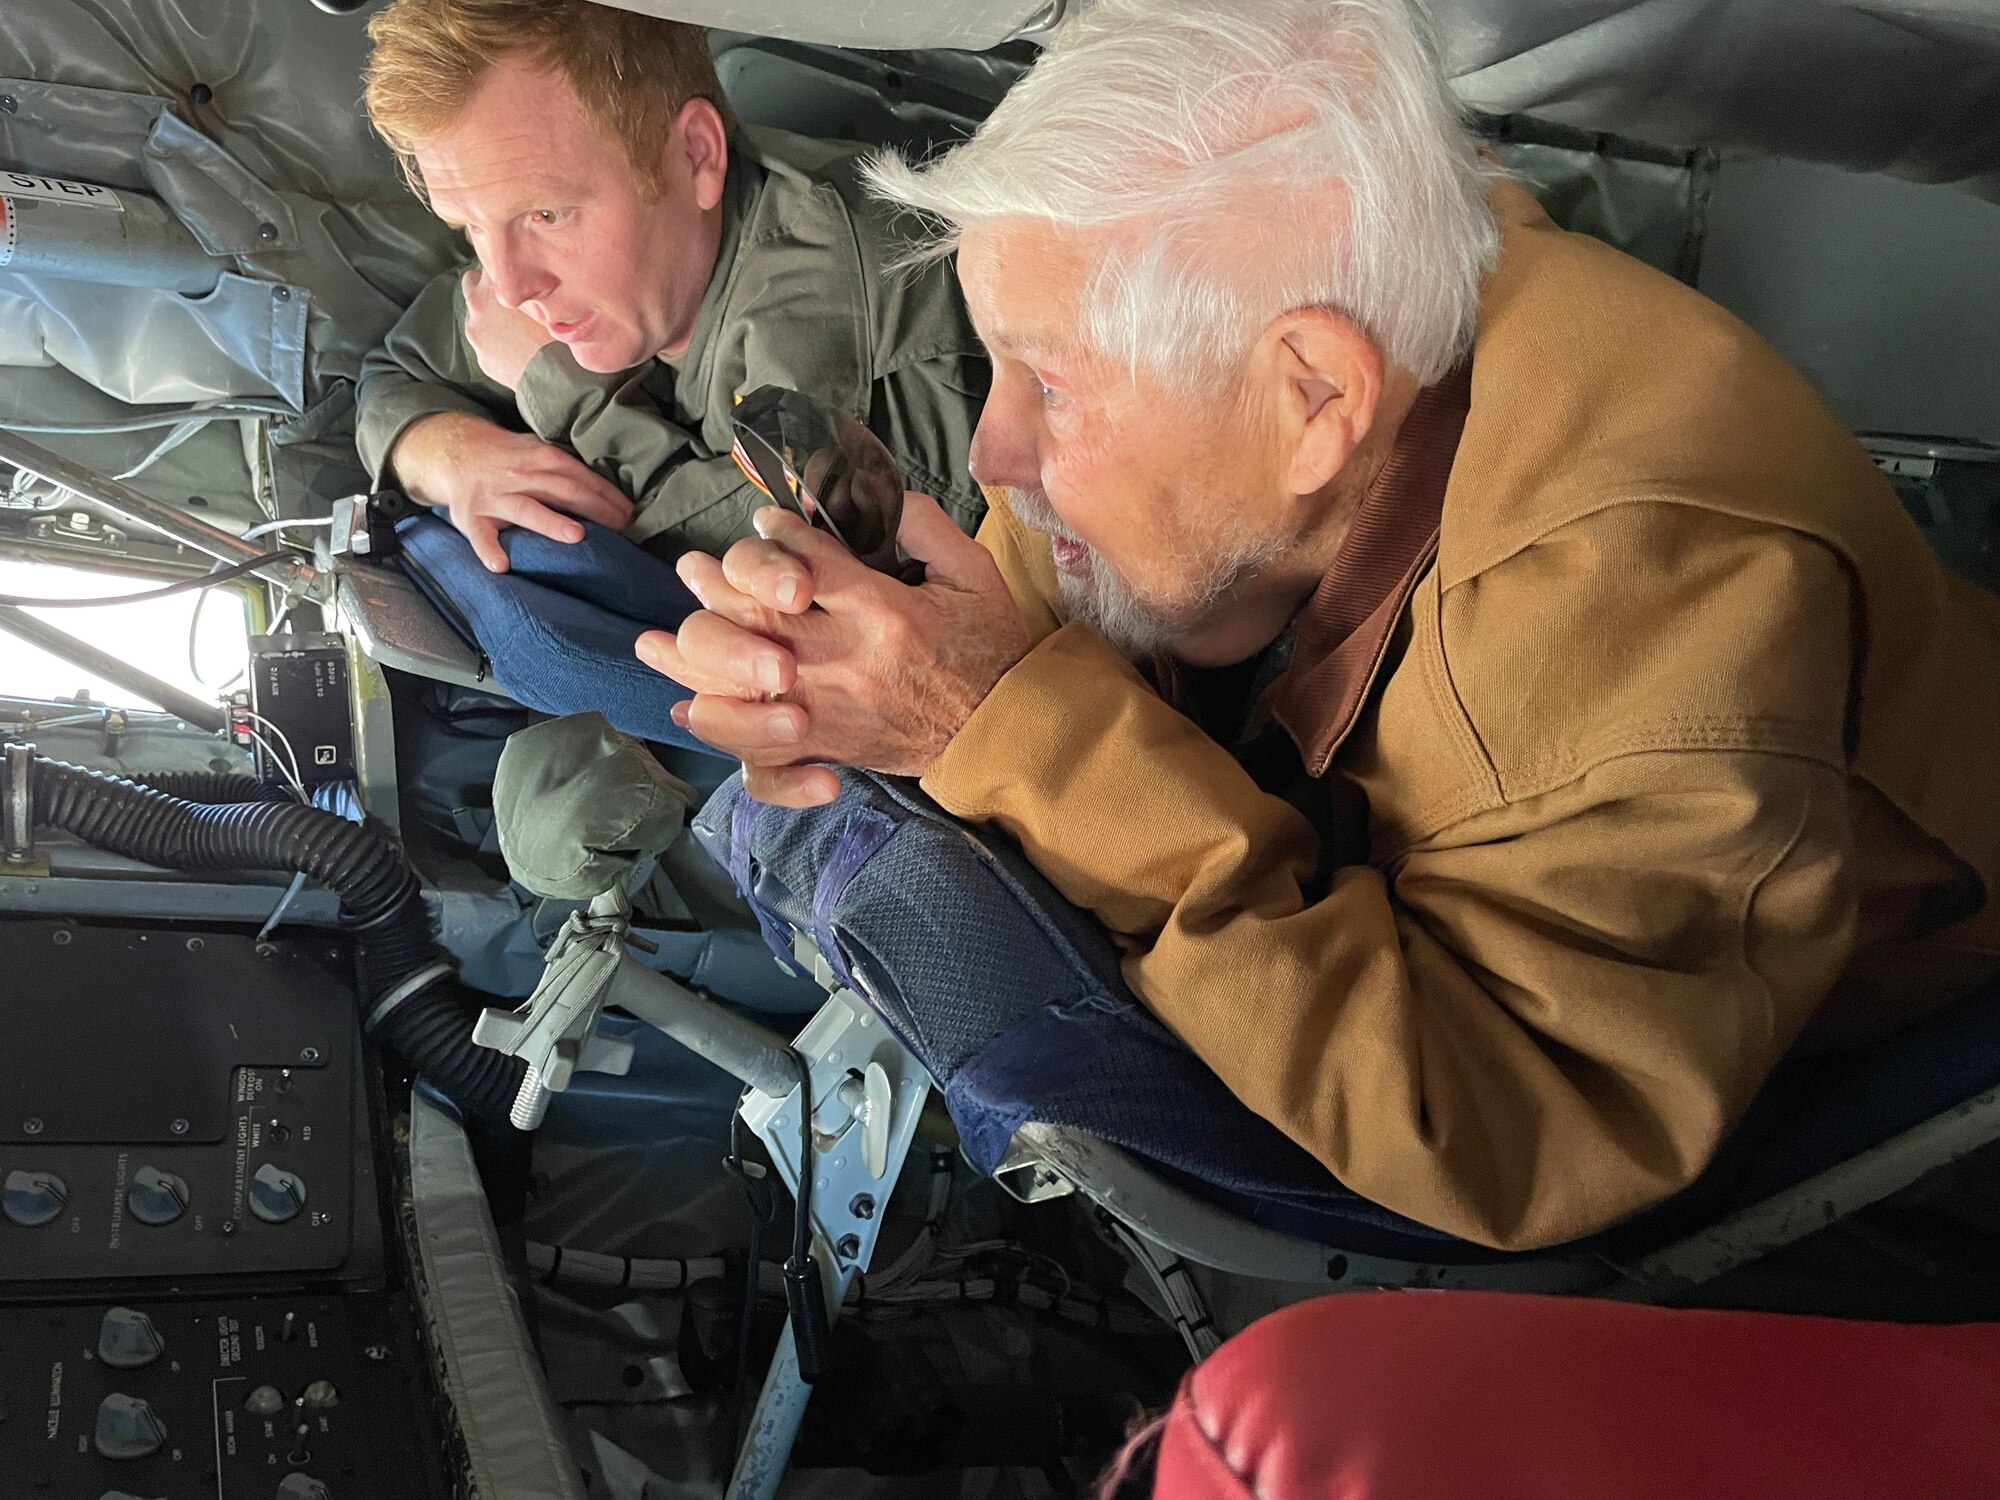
(153, 636)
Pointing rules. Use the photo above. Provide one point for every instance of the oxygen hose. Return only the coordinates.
(414, 999)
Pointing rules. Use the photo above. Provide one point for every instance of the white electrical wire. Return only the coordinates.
(297, 780)
(266, 528)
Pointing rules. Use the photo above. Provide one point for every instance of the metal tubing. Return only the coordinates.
(141, 244)
(183, 706)
(774, 1426)
(144, 510)
(739, 1047)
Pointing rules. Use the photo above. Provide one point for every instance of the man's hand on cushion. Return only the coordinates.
(485, 477)
(803, 657)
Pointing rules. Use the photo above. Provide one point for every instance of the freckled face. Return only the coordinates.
(564, 231)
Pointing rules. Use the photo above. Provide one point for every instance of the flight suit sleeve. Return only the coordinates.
(1524, 1029)
(424, 367)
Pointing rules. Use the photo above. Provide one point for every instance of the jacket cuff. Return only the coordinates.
(1049, 712)
(385, 415)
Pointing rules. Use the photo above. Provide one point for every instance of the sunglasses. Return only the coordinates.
(823, 466)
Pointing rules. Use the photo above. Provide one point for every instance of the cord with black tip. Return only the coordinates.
(805, 1293)
(763, 1205)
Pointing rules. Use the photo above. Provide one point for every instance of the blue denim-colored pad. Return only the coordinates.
(965, 949)
(992, 1096)
(551, 649)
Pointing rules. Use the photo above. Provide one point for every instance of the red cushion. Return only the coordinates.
(1438, 1395)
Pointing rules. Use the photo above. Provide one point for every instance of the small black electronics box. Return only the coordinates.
(298, 683)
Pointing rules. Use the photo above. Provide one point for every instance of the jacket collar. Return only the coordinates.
(1343, 631)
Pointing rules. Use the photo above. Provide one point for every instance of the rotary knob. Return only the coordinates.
(127, 1428)
(156, 1197)
(265, 1401)
(276, 1196)
(302, 1487)
(127, 1340)
(32, 1198)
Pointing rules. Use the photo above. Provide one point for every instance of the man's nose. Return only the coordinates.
(1003, 449)
(515, 278)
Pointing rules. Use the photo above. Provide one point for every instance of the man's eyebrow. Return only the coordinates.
(1034, 348)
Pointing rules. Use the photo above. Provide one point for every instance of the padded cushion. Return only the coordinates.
(1015, 1002)
(559, 627)
(1422, 1395)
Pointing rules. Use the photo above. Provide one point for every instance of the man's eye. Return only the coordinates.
(1047, 394)
(546, 216)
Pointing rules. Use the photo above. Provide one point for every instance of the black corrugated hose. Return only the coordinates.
(379, 897)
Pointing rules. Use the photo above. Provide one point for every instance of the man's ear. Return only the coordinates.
(703, 143)
(1327, 376)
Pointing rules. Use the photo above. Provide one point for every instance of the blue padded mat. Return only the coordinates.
(1014, 1001)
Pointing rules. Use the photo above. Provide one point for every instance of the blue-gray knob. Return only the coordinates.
(32, 1198)
(276, 1195)
(127, 1428)
(127, 1340)
(156, 1197)
(302, 1487)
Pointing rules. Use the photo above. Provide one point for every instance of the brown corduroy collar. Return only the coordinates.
(1344, 629)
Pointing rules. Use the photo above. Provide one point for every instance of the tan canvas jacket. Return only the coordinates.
(1682, 743)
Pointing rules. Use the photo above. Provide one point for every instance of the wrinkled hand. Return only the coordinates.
(802, 656)
(503, 338)
(485, 477)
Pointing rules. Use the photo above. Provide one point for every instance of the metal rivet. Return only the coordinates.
(849, 1247)
(281, 293)
(31, 1126)
(863, 1206)
(201, 93)
(8, 103)
(267, 231)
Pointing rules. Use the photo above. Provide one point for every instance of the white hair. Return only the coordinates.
(1244, 158)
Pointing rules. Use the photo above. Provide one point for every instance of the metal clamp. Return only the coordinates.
(17, 813)
(555, 1032)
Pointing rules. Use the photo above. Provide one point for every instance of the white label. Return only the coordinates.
(58, 190)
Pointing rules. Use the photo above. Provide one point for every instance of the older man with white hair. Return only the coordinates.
(1496, 705)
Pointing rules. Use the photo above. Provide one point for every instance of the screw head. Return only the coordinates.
(849, 1247)
(8, 104)
(863, 1206)
(60, 937)
(179, 1127)
(309, 1054)
(32, 1126)
(195, 945)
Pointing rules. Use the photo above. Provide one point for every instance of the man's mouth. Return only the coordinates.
(570, 333)
(1071, 556)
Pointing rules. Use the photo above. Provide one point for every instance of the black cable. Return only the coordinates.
(802, 1219)
(206, 581)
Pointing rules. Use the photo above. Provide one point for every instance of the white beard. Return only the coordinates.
(1139, 626)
